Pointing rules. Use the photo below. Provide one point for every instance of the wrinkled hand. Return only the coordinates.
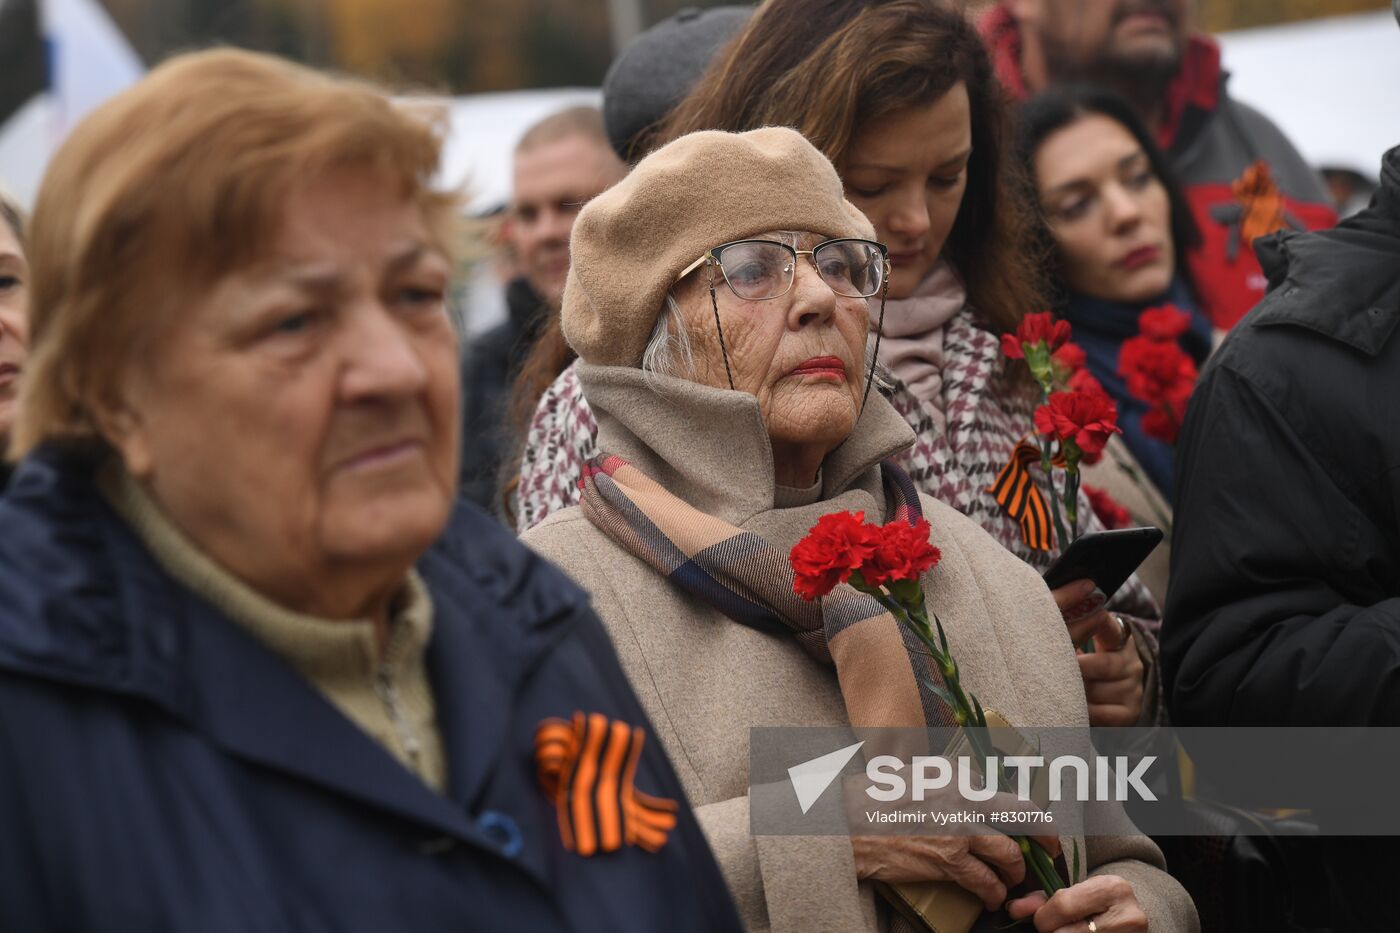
(1108, 900)
(1113, 674)
(988, 865)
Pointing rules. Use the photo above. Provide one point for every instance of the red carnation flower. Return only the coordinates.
(1035, 328)
(902, 552)
(1160, 425)
(1084, 381)
(837, 545)
(1108, 509)
(1164, 422)
(1165, 323)
(1085, 419)
(1067, 361)
(1155, 370)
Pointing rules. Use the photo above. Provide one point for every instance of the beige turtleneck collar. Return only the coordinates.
(387, 696)
(711, 447)
(790, 497)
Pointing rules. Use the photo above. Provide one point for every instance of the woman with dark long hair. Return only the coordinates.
(1117, 231)
(912, 117)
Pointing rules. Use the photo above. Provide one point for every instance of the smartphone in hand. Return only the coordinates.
(1106, 557)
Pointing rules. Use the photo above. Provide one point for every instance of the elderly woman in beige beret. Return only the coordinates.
(718, 301)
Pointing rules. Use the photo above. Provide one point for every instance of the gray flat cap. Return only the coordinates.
(656, 70)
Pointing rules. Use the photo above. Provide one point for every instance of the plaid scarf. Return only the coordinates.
(750, 581)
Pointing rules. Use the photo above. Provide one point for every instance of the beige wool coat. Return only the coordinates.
(705, 680)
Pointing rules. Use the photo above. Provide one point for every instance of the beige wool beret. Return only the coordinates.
(707, 188)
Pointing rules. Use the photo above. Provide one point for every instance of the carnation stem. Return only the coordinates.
(968, 712)
(1072, 510)
(1072, 501)
(1047, 463)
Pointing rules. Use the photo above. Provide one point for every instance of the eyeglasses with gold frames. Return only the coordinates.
(759, 270)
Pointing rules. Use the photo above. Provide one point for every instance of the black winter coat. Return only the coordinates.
(161, 770)
(1284, 605)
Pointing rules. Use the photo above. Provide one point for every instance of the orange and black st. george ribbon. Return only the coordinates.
(1016, 492)
(1259, 195)
(588, 768)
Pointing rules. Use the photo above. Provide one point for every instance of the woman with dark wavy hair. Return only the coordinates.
(901, 97)
(1117, 231)
(911, 115)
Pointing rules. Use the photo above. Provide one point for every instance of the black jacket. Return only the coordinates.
(489, 366)
(1284, 605)
(161, 770)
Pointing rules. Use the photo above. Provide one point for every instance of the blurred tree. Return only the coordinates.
(466, 46)
(567, 43)
(158, 28)
(387, 38)
(489, 56)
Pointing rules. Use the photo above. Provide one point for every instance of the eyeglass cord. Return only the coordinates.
(710, 277)
(874, 356)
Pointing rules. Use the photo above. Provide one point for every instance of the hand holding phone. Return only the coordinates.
(1109, 662)
(1106, 557)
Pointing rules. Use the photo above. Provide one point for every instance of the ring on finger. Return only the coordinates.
(1125, 633)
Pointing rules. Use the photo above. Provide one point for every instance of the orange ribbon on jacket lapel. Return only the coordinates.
(1016, 492)
(1259, 195)
(588, 768)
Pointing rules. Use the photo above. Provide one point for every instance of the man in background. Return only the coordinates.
(1242, 176)
(559, 164)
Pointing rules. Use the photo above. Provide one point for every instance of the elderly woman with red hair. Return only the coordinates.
(258, 669)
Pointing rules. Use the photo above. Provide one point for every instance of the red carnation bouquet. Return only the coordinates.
(1158, 371)
(1075, 418)
(886, 562)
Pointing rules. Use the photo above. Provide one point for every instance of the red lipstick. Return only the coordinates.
(826, 367)
(1142, 256)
